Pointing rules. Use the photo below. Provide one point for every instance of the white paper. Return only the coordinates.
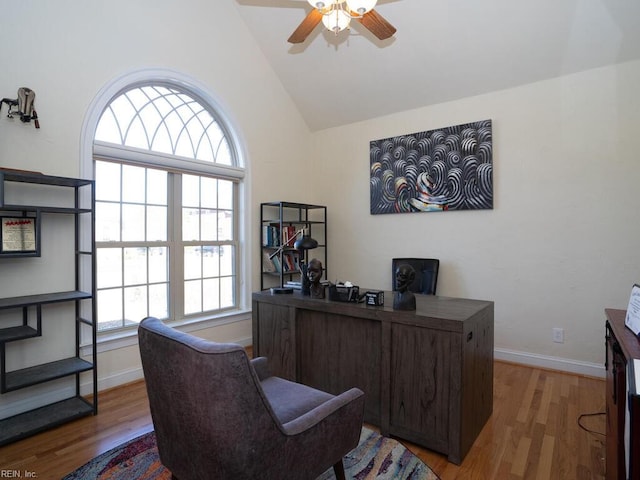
(636, 371)
(632, 320)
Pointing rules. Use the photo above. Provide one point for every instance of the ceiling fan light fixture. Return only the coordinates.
(321, 4)
(361, 6)
(336, 20)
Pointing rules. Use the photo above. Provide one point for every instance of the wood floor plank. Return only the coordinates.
(532, 433)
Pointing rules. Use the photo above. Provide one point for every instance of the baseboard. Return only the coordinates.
(552, 363)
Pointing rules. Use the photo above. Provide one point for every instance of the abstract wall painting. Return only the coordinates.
(438, 170)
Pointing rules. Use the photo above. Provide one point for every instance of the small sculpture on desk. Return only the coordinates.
(314, 274)
(403, 299)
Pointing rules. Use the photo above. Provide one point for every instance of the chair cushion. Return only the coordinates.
(290, 400)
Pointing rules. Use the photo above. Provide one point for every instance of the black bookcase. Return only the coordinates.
(279, 223)
(26, 316)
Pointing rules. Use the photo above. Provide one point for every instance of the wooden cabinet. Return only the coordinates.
(279, 223)
(26, 317)
(622, 410)
(427, 375)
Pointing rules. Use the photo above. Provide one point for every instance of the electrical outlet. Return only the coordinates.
(558, 335)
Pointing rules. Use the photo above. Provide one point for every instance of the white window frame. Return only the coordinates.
(91, 149)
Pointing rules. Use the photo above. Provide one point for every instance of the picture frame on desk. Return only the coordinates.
(632, 318)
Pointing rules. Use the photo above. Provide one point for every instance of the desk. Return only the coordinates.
(622, 347)
(427, 374)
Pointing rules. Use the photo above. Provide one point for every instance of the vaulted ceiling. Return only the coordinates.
(443, 50)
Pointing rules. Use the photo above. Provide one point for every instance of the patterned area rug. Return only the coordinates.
(375, 457)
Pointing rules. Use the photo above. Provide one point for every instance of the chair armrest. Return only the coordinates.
(349, 404)
(261, 368)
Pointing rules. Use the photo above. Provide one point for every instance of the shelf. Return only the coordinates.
(27, 377)
(29, 423)
(34, 208)
(42, 298)
(17, 333)
(42, 179)
(305, 206)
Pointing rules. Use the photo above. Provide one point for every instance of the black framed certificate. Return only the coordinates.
(18, 235)
(632, 320)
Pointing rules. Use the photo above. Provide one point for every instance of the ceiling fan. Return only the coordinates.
(336, 16)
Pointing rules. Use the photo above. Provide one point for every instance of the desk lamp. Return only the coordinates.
(302, 244)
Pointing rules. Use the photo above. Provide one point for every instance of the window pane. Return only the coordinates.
(192, 297)
(110, 308)
(108, 187)
(225, 194)
(158, 304)
(226, 260)
(156, 224)
(211, 294)
(135, 266)
(133, 184)
(135, 303)
(190, 191)
(107, 222)
(190, 224)
(109, 266)
(133, 223)
(192, 263)
(210, 262)
(156, 187)
(226, 292)
(158, 267)
(208, 197)
(225, 225)
(209, 225)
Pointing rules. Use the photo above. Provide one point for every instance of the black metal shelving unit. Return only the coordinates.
(30, 307)
(274, 218)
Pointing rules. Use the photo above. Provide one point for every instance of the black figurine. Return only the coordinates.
(403, 298)
(314, 274)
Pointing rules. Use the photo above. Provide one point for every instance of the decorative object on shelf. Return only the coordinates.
(403, 299)
(444, 169)
(24, 102)
(336, 15)
(344, 292)
(375, 298)
(314, 274)
(19, 236)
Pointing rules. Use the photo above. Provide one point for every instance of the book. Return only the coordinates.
(267, 264)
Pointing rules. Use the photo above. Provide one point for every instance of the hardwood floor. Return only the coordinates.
(532, 434)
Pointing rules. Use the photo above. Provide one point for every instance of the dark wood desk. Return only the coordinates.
(622, 347)
(427, 375)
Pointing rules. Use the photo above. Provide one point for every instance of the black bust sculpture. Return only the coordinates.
(403, 299)
(314, 274)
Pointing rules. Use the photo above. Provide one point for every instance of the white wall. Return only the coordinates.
(562, 242)
(68, 51)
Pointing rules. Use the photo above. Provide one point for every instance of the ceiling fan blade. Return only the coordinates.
(306, 27)
(376, 24)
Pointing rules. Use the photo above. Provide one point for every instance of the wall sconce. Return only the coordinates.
(24, 102)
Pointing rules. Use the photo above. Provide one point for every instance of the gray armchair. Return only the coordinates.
(219, 415)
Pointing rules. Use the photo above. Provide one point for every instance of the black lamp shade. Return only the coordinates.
(305, 243)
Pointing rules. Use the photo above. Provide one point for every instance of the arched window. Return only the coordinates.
(167, 192)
